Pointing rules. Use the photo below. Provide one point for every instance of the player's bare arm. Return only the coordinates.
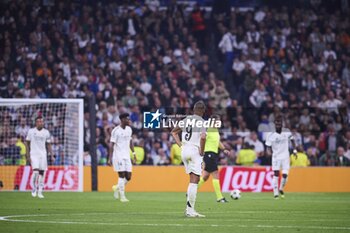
(110, 154)
(269, 150)
(133, 152)
(294, 147)
(175, 133)
(202, 144)
(49, 149)
(27, 145)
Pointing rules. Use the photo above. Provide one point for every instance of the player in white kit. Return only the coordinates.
(278, 143)
(121, 144)
(192, 145)
(38, 142)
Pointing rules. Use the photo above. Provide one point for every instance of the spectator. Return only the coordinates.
(253, 35)
(239, 65)
(22, 128)
(331, 140)
(347, 153)
(253, 140)
(113, 97)
(246, 156)
(87, 159)
(129, 99)
(198, 25)
(20, 144)
(160, 158)
(148, 160)
(332, 104)
(327, 159)
(259, 96)
(152, 4)
(312, 156)
(341, 160)
(256, 64)
(300, 160)
(305, 117)
(226, 45)
(140, 152)
(220, 96)
(12, 152)
(264, 127)
(328, 53)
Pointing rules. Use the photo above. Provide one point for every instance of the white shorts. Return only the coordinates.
(192, 159)
(122, 165)
(39, 163)
(283, 164)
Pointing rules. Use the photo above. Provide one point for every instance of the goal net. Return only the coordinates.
(64, 120)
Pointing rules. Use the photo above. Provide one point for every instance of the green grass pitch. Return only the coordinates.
(164, 212)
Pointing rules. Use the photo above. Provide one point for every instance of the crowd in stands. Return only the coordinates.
(247, 66)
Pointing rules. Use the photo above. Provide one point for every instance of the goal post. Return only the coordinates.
(64, 118)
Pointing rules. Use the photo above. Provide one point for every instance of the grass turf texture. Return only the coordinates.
(164, 212)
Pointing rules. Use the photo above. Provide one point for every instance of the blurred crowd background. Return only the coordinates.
(248, 63)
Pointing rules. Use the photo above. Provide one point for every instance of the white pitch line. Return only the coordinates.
(10, 219)
(216, 212)
(237, 220)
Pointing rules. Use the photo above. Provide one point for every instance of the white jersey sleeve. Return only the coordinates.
(29, 135)
(268, 140)
(114, 137)
(289, 134)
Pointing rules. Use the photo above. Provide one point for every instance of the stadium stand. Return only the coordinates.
(248, 65)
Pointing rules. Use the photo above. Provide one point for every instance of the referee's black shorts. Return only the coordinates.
(211, 160)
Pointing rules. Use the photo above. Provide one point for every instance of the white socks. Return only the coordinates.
(35, 179)
(41, 183)
(121, 185)
(283, 183)
(191, 195)
(275, 185)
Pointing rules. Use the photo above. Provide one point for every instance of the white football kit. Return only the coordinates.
(191, 136)
(280, 149)
(38, 153)
(121, 149)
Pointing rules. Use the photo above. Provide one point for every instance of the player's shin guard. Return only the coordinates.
(283, 181)
(275, 185)
(217, 189)
(35, 180)
(191, 195)
(201, 182)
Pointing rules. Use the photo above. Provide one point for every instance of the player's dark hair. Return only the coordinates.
(199, 106)
(38, 117)
(279, 117)
(123, 116)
